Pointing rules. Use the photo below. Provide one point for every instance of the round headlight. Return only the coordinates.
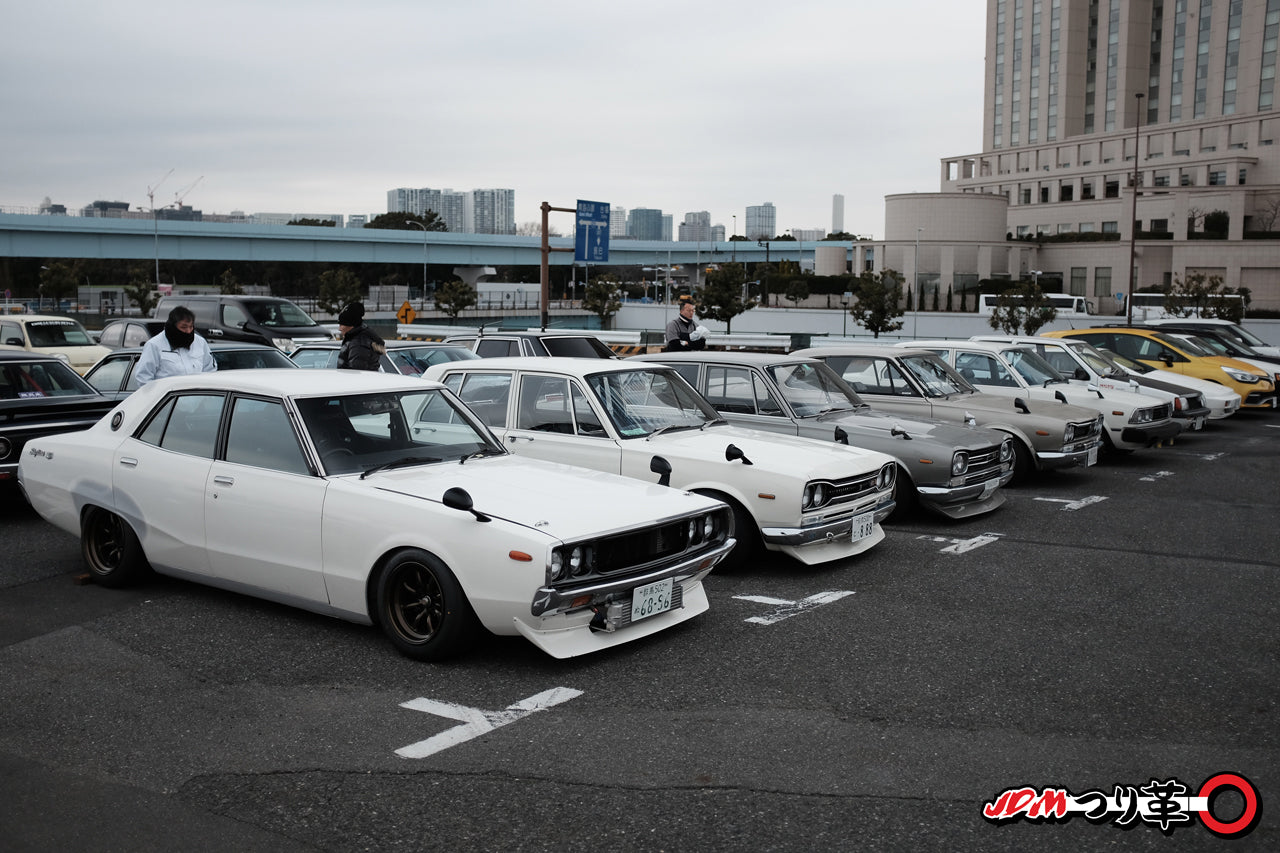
(886, 476)
(693, 531)
(1006, 450)
(708, 526)
(575, 560)
(959, 463)
(5, 447)
(557, 563)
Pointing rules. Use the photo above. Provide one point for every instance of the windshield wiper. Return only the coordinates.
(671, 427)
(400, 463)
(484, 451)
(706, 424)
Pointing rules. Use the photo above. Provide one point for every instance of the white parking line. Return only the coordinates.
(476, 722)
(1159, 475)
(1072, 506)
(786, 608)
(961, 546)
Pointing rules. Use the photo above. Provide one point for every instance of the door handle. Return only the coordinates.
(223, 480)
(128, 462)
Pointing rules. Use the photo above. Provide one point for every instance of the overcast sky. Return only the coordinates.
(316, 106)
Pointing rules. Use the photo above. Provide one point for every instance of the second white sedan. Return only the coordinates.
(815, 501)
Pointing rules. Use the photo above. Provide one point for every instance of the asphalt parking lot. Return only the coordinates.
(1107, 629)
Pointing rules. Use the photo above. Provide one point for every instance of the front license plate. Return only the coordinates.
(651, 600)
(863, 525)
(1093, 457)
(988, 489)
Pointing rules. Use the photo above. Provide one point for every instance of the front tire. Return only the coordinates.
(1024, 464)
(422, 608)
(111, 549)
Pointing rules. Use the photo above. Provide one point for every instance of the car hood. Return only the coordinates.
(1211, 390)
(986, 406)
(869, 423)
(519, 490)
(788, 455)
(1081, 396)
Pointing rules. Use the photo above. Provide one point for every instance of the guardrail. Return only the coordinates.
(630, 339)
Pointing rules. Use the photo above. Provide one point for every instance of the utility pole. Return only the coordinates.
(547, 249)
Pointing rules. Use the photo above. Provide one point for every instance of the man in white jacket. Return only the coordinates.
(176, 351)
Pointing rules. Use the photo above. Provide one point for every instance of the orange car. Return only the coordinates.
(1167, 352)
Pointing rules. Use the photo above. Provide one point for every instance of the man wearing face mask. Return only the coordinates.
(176, 351)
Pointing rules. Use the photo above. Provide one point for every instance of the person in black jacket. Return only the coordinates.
(682, 327)
(361, 346)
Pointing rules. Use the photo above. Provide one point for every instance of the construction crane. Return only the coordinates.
(182, 193)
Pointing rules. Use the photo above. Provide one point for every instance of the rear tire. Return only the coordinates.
(422, 608)
(111, 549)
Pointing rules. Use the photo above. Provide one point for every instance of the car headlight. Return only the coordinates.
(286, 345)
(5, 447)
(1142, 416)
(1006, 450)
(888, 473)
(1240, 375)
(557, 564)
(815, 495)
(959, 463)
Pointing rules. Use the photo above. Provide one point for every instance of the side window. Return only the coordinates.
(983, 369)
(134, 335)
(583, 414)
(110, 376)
(729, 389)
(765, 402)
(113, 336)
(1061, 362)
(233, 315)
(892, 381)
(11, 335)
(319, 358)
(186, 424)
(260, 435)
(544, 405)
(486, 394)
(688, 371)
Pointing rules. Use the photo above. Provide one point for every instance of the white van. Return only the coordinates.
(1150, 306)
(1066, 304)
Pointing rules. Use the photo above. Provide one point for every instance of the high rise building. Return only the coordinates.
(761, 222)
(1083, 99)
(483, 211)
(494, 211)
(645, 223)
(837, 213)
(618, 222)
(695, 228)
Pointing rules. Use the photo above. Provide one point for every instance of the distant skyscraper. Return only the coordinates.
(695, 228)
(484, 211)
(494, 211)
(617, 221)
(667, 223)
(717, 233)
(837, 213)
(645, 223)
(762, 221)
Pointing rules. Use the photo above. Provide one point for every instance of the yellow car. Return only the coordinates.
(1166, 352)
(60, 337)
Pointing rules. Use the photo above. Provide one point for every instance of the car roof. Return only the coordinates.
(863, 349)
(986, 346)
(274, 381)
(26, 318)
(214, 346)
(551, 364)
(23, 355)
(395, 344)
(758, 359)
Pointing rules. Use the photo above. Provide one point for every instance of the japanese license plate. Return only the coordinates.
(863, 525)
(988, 488)
(651, 599)
(1093, 457)
(1198, 423)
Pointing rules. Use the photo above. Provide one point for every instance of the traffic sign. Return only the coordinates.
(591, 234)
(406, 314)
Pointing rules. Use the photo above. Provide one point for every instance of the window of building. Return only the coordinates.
(1086, 190)
(1112, 227)
(1025, 196)
(1112, 190)
(1244, 173)
(1086, 228)
(1079, 277)
(1066, 192)
(1044, 195)
(1024, 230)
(1102, 281)
(1218, 178)
(1159, 226)
(1064, 228)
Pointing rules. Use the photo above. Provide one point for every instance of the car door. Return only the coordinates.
(743, 397)
(111, 374)
(161, 476)
(264, 508)
(554, 419)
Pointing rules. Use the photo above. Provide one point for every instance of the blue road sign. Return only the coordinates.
(591, 235)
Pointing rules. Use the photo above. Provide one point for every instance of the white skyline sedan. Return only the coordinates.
(378, 499)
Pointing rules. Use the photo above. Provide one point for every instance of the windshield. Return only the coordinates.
(58, 333)
(1245, 335)
(641, 402)
(1098, 362)
(1210, 346)
(280, 314)
(31, 379)
(358, 432)
(1031, 366)
(1180, 345)
(812, 388)
(1126, 362)
(413, 361)
(936, 376)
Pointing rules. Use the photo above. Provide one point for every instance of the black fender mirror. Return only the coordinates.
(460, 499)
(662, 468)
(842, 437)
(733, 452)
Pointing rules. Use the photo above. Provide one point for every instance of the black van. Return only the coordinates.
(255, 319)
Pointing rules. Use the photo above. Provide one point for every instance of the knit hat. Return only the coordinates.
(352, 315)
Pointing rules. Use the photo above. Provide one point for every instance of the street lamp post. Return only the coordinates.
(1133, 219)
(422, 302)
(1035, 277)
(155, 221)
(915, 287)
(844, 310)
(732, 236)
